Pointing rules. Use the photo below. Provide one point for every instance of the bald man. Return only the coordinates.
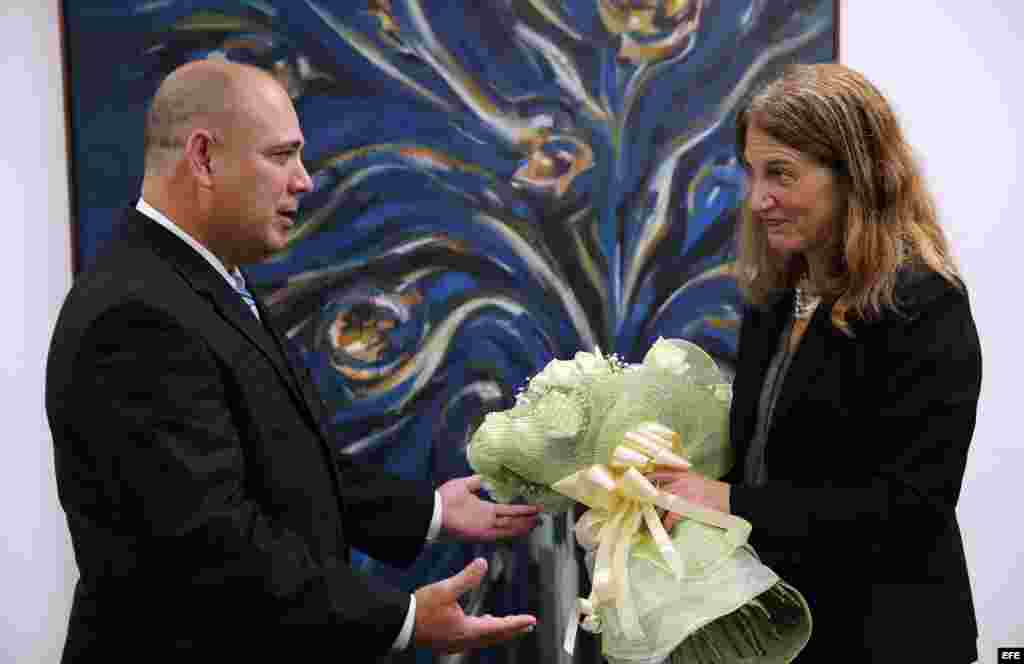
(208, 512)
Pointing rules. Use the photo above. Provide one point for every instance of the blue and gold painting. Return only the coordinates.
(497, 183)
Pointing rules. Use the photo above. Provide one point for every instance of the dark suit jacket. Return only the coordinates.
(207, 510)
(865, 460)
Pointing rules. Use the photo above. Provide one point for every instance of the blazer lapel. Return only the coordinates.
(302, 386)
(764, 341)
(202, 277)
(809, 361)
(759, 338)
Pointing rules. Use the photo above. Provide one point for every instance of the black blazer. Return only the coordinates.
(865, 460)
(207, 510)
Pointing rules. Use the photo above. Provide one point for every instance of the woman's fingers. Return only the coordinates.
(667, 476)
(516, 510)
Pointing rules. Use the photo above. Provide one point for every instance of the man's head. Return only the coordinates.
(223, 158)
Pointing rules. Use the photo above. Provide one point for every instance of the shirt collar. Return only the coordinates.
(234, 278)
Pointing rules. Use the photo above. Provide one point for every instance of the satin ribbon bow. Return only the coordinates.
(621, 501)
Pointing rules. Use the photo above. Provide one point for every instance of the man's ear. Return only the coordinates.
(198, 155)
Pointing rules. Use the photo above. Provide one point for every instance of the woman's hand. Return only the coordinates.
(692, 487)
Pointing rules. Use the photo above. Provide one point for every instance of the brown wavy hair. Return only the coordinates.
(833, 114)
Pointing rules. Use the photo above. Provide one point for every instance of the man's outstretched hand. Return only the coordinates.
(466, 517)
(442, 626)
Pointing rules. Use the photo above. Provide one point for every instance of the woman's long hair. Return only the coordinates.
(836, 116)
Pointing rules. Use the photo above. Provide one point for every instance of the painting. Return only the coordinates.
(496, 183)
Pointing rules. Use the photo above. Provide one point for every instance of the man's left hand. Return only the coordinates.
(465, 516)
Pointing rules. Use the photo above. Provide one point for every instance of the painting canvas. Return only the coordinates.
(496, 183)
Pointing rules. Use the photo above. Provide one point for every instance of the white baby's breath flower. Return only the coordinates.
(667, 356)
(558, 373)
(589, 362)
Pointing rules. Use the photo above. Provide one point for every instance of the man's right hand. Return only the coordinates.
(442, 626)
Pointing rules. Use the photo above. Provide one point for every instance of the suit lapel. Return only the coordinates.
(808, 362)
(304, 388)
(759, 338)
(206, 281)
(764, 335)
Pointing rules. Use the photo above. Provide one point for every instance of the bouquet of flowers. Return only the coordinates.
(587, 430)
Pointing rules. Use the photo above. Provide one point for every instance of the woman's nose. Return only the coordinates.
(761, 199)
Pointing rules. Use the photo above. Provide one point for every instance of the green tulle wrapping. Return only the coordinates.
(575, 412)
(729, 608)
(771, 629)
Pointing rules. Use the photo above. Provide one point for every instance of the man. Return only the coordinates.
(207, 510)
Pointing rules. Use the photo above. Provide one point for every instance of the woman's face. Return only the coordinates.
(796, 199)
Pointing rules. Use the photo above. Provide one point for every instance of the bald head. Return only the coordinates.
(224, 159)
(204, 94)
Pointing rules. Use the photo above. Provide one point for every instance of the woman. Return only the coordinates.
(857, 379)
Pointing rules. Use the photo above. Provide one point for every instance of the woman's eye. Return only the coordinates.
(783, 176)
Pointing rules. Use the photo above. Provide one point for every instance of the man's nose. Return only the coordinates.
(302, 183)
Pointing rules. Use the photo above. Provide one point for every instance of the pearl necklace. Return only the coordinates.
(804, 303)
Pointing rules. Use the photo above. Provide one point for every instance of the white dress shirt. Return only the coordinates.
(237, 281)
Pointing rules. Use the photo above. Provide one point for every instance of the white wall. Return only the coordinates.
(948, 66)
(37, 569)
(953, 71)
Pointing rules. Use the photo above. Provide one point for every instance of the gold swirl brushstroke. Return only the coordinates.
(377, 56)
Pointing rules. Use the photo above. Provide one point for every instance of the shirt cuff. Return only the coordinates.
(402, 641)
(435, 520)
